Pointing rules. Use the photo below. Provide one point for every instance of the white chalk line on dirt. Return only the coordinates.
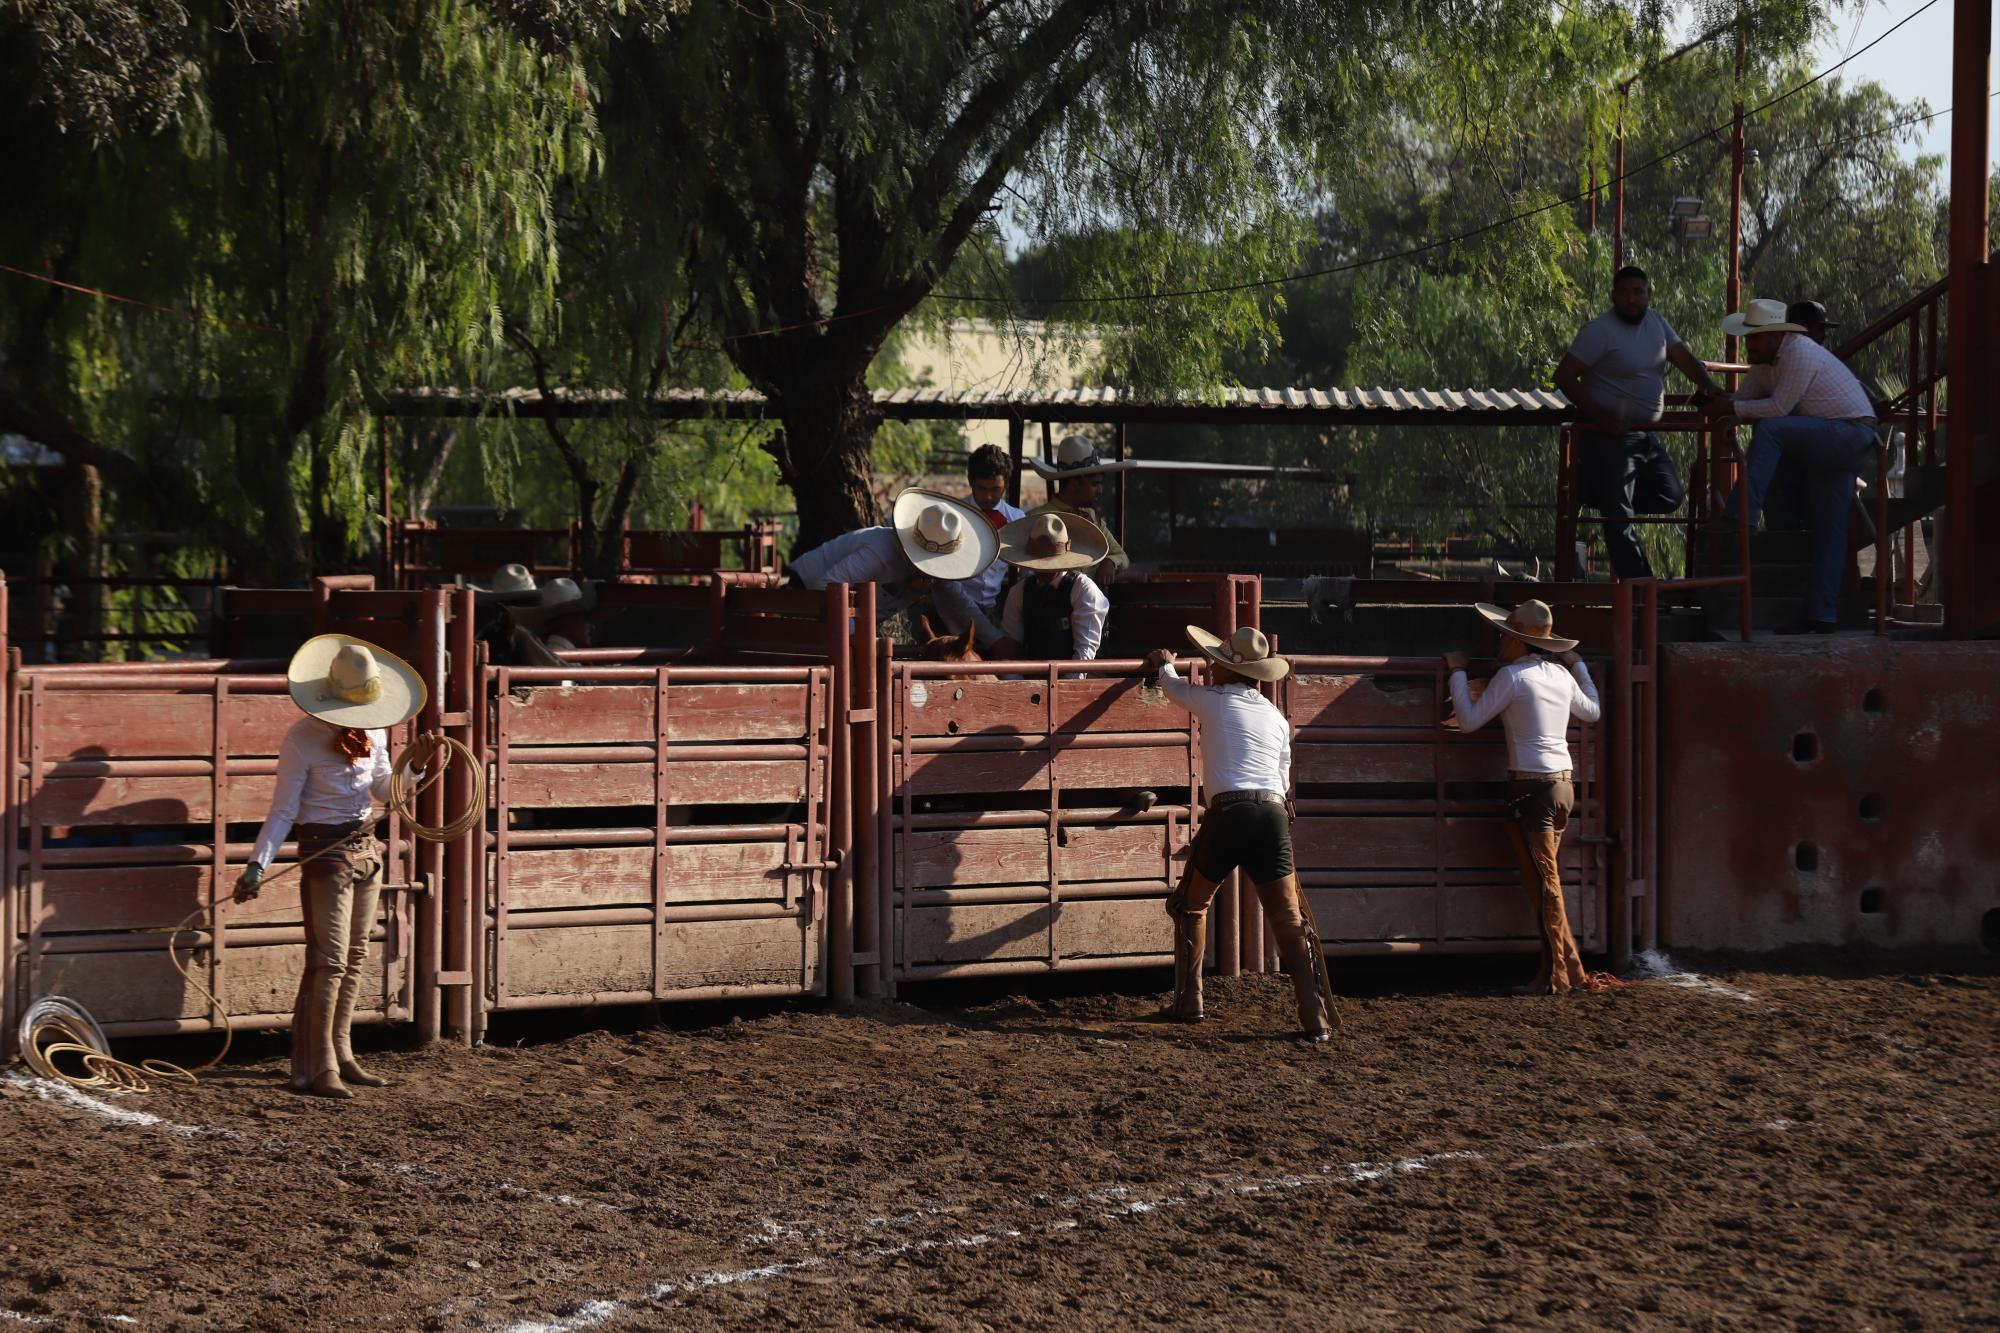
(63, 1094)
(1130, 1202)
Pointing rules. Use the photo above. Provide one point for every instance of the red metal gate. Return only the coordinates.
(620, 866)
(985, 868)
(1400, 839)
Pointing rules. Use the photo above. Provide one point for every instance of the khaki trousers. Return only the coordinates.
(1538, 812)
(339, 893)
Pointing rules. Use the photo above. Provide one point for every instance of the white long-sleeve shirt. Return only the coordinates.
(1087, 608)
(866, 555)
(1246, 743)
(319, 785)
(1534, 697)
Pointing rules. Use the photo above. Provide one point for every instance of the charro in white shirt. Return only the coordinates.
(319, 785)
(866, 555)
(1087, 608)
(1534, 697)
(1246, 743)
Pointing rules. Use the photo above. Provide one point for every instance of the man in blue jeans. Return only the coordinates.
(1809, 412)
(1615, 374)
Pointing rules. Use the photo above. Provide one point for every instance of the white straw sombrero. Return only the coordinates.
(349, 682)
(943, 536)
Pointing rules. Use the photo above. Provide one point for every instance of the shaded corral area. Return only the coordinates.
(1753, 1148)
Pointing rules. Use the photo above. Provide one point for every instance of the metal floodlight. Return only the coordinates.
(1694, 229)
(1685, 206)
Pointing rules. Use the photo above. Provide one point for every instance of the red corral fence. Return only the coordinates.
(777, 805)
(134, 793)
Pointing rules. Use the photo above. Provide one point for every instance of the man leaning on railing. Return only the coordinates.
(1615, 374)
(1811, 412)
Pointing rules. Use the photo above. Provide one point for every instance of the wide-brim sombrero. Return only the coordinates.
(397, 694)
(1087, 543)
(973, 547)
(1503, 620)
(1246, 652)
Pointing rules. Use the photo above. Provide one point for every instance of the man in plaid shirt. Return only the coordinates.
(1809, 411)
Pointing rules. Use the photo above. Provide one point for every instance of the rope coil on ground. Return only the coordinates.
(56, 1025)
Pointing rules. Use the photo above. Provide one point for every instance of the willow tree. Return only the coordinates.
(313, 199)
(818, 170)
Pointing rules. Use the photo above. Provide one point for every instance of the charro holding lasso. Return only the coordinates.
(332, 768)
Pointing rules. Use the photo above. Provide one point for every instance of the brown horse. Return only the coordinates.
(934, 647)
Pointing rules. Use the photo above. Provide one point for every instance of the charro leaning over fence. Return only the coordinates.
(1542, 685)
(332, 767)
(1246, 768)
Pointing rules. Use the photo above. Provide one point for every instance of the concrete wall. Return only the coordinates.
(1829, 791)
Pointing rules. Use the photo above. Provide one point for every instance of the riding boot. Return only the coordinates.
(301, 1064)
(1287, 923)
(1566, 970)
(1296, 955)
(1190, 950)
(343, 1034)
(361, 919)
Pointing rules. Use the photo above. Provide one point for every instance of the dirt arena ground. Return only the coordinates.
(1745, 1148)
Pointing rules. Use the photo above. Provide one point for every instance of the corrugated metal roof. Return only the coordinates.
(1102, 403)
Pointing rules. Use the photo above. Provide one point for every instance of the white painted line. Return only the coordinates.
(65, 1095)
(1129, 1201)
(1126, 1202)
(16, 1317)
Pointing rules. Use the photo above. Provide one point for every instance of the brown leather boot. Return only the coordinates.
(327, 1083)
(1190, 949)
(301, 1063)
(1285, 915)
(1566, 971)
(343, 1035)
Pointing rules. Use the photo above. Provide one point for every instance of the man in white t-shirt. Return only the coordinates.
(1246, 780)
(1542, 685)
(1615, 375)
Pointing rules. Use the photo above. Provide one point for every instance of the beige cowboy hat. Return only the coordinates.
(1246, 652)
(1531, 622)
(1761, 317)
(1050, 541)
(942, 535)
(1075, 457)
(349, 682)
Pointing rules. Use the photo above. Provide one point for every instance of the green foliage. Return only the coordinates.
(341, 195)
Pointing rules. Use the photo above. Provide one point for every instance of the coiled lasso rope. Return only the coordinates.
(55, 1025)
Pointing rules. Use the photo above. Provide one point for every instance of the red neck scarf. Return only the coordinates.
(353, 744)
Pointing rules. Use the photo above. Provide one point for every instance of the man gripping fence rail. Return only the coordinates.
(332, 767)
(1542, 685)
(1246, 773)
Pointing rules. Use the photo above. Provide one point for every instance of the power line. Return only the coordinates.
(1170, 294)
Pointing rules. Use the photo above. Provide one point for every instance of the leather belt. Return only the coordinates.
(1518, 776)
(1256, 794)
